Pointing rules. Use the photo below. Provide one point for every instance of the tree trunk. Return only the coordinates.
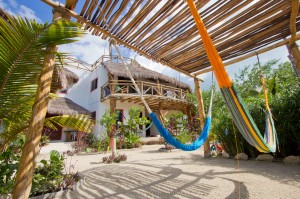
(33, 135)
(201, 115)
(111, 135)
(31, 148)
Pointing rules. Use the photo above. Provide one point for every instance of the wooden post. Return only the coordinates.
(294, 57)
(110, 49)
(33, 135)
(111, 135)
(292, 46)
(160, 116)
(201, 114)
(189, 114)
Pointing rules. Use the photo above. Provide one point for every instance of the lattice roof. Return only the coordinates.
(165, 31)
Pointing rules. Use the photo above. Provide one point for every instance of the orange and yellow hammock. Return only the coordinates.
(238, 109)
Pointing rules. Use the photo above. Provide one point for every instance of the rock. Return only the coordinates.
(241, 156)
(265, 157)
(292, 159)
(224, 154)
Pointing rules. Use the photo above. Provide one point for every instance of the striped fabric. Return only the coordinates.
(246, 125)
(239, 111)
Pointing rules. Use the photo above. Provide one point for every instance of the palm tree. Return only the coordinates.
(27, 60)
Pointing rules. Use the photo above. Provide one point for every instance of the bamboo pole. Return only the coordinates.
(263, 50)
(39, 109)
(201, 114)
(292, 46)
(293, 20)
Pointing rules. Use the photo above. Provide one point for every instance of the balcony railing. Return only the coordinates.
(113, 58)
(126, 88)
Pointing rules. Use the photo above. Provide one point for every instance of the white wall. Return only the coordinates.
(80, 94)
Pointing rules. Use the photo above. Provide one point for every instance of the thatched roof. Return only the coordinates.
(70, 75)
(139, 71)
(65, 106)
(60, 79)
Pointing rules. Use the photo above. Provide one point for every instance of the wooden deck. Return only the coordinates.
(171, 98)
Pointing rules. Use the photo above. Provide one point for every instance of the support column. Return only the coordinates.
(160, 116)
(294, 56)
(189, 114)
(292, 46)
(111, 135)
(201, 114)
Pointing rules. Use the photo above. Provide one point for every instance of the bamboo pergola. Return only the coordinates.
(164, 31)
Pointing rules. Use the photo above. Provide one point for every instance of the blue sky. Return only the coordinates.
(90, 48)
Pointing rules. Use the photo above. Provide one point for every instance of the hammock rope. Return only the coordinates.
(238, 109)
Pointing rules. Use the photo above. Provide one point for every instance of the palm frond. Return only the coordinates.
(79, 122)
(22, 50)
(11, 132)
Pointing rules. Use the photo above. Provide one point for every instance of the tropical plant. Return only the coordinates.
(49, 177)
(9, 160)
(27, 54)
(129, 134)
(109, 121)
(135, 120)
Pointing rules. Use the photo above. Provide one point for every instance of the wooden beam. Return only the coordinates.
(263, 50)
(293, 19)
(201, 114)
(108, 34)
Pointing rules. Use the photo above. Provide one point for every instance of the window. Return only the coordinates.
(93, 115)
(94, 84)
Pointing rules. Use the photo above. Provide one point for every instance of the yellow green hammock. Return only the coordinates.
(239, 111)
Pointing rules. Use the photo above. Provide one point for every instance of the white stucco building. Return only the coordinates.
(108, 86)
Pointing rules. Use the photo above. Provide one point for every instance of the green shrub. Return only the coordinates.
(49, 177)
(9, 160)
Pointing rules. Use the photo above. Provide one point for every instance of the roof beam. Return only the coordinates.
(107, 33)
(293, 19)
(276, 45)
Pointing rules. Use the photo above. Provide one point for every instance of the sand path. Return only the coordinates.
(150, 173)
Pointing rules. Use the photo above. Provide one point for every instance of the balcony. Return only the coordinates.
(152, 92)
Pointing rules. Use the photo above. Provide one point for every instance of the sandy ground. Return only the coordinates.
(150, 173)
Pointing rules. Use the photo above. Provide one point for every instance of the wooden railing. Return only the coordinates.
(113, 58)
(147, 88)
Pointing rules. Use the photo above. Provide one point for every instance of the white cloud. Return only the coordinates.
(13, 8)
(87, 49)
